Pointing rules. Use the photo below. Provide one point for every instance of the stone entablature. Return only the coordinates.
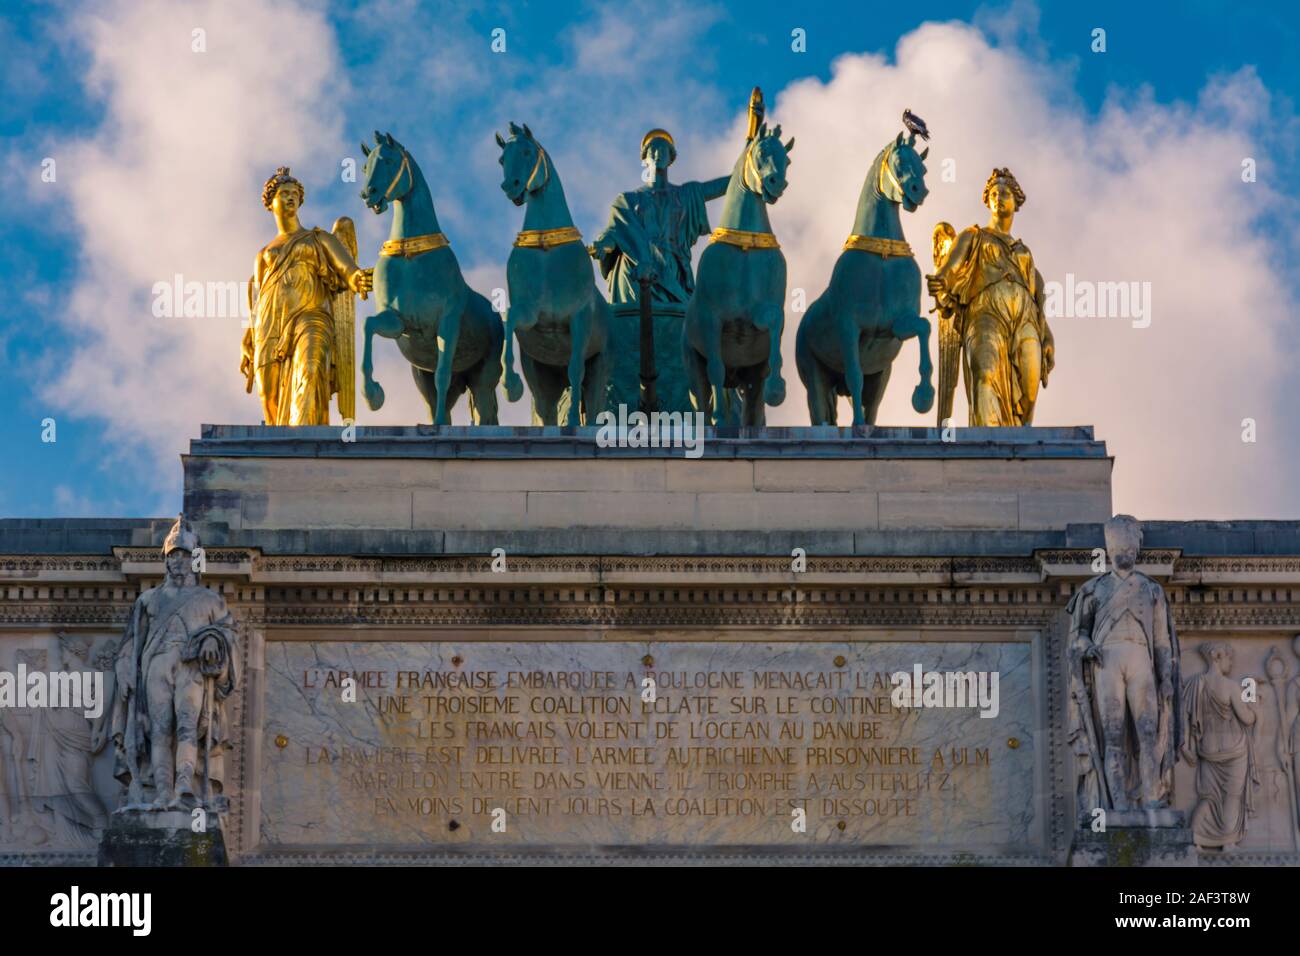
(613, 598)
(856, 591)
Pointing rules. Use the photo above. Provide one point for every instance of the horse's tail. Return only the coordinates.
(820, 383)
(514, 386)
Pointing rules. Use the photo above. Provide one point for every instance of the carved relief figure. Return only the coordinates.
(6, 797)
(1292, 722)
(1275, 815)
(1220, 745)
(67, 742)
(1125, 723)
(22, 824)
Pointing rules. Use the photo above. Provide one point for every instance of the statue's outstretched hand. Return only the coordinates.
(362, 281)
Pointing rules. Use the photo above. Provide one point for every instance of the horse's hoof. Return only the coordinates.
(514, 388)
(923, 398)
(774, 394)
(374, 396)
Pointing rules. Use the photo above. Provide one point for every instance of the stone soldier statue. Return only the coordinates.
(1125, 721)
(175, 668)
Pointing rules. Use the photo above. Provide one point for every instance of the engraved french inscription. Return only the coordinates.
(634, 743)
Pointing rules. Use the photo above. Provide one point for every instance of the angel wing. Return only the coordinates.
(949, 340)
(345, 323)
(247, 348)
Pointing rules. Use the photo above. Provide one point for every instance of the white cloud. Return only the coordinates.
(1144, 191)
(170, 183)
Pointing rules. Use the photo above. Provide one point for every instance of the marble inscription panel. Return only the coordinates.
(558, 743)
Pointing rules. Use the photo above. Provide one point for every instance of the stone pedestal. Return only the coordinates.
(1137, 838)
(461, 490)
(151, 838)
(625, 345)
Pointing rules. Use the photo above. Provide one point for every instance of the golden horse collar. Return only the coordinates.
(744, 240)
(546, 238)
(885, 248)
(413, 245)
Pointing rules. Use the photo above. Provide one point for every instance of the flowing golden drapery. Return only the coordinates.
(995, 292)
(294, 338)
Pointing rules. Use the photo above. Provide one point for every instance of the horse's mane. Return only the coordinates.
(873, 171)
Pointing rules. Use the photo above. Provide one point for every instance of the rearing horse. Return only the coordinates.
(731, 337)
(849, 338)
(560, 318)
(447, 331)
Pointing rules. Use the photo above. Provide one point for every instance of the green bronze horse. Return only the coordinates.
(731, 336)
(849, 337)
(559, 317)
(447, 331)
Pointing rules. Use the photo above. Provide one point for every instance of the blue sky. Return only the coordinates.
(589, 79)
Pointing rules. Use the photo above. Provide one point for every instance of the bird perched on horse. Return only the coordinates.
(849, 337)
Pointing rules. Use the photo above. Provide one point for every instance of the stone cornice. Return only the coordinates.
(1079, 562)
(531, 443)
(135, 567)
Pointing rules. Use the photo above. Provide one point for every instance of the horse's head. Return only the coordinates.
(902, 172)
(766, 159)
(387, 173)
(526, 169)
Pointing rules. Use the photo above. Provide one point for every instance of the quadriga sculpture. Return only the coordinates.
(731, 337)
(849, 337)
(447, 331)
(560, 318)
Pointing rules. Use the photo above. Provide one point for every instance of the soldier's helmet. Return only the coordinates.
(182, 536)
